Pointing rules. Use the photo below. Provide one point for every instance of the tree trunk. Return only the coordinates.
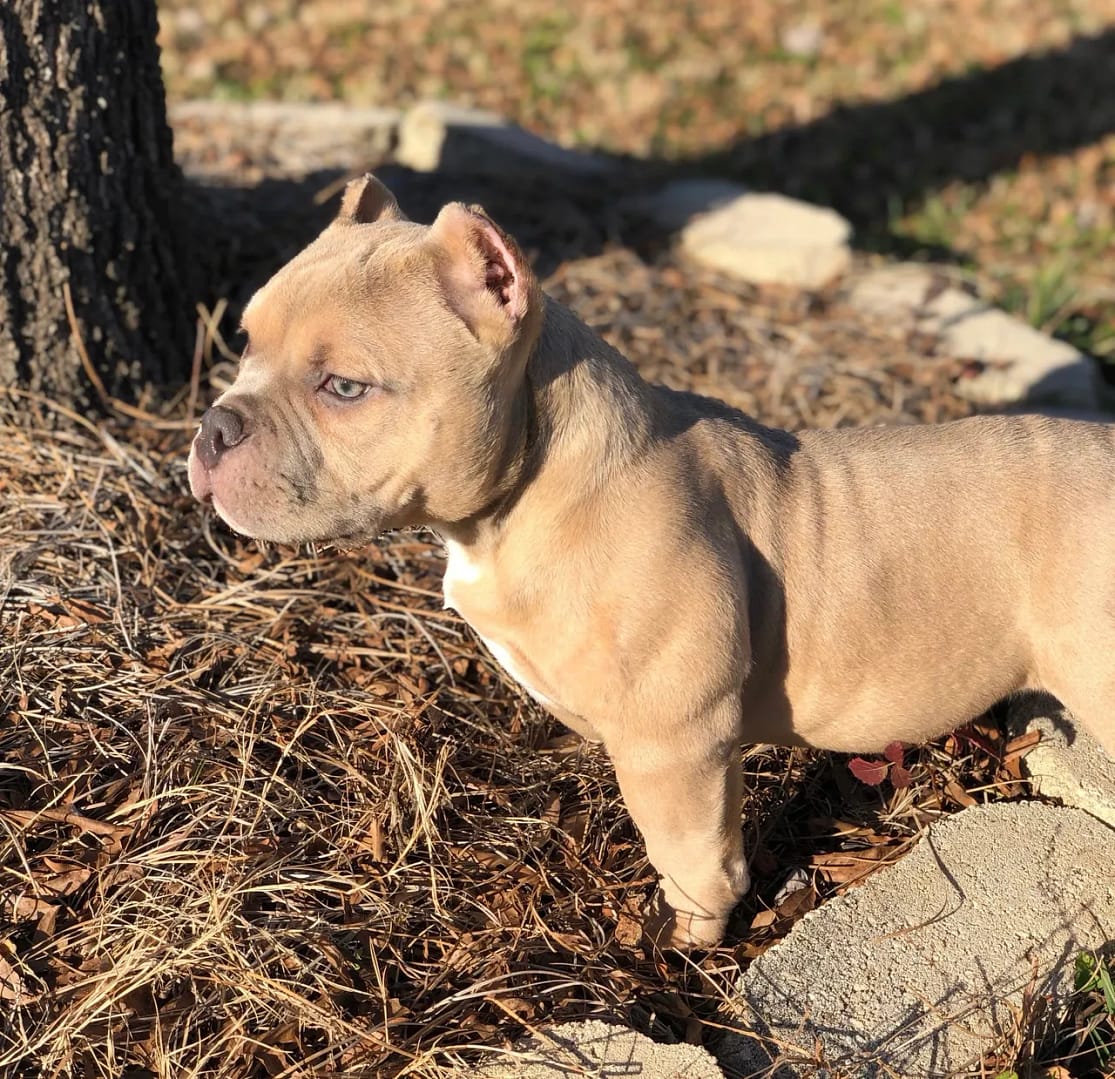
(90, 203)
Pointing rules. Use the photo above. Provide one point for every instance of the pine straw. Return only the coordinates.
(276, 813)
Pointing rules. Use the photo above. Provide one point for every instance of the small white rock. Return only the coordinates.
(771, 239)
(1023, 365)
(900, 290)
(330, 134)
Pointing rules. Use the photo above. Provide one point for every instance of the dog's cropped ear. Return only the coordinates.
(486, 277)
(366, 200)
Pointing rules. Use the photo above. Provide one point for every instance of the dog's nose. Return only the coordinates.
(221, 429)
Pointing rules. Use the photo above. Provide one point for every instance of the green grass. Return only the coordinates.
(1094, 983)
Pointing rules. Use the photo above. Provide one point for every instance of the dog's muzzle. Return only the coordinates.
(221, 429)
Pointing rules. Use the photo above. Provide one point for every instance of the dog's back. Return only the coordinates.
(912, 576)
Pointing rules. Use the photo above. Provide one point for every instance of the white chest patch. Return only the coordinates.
(461, 570)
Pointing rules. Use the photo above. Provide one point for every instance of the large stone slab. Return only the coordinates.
(295, 138)
(438, 135)
(1068, 763)
(602, 1050)
(1020, 364)
(913, 973)
(771, 239)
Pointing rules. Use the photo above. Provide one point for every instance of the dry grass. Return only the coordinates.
(275, 813)
(253, 802)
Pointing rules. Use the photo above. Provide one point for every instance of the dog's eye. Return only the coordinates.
(347, 388)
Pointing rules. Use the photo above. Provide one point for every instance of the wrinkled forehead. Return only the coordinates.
(342, 281)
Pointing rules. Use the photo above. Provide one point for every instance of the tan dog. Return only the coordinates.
(659, 571)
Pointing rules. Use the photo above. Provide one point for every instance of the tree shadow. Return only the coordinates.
(865, 160)
(868, 161)
(257, 227)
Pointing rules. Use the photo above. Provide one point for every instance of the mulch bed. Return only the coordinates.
(274, 812)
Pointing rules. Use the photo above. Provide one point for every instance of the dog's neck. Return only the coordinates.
(599, 411)
(581, 414)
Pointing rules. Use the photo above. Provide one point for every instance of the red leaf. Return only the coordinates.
(870, 772)
(895, 753)
(899, 777)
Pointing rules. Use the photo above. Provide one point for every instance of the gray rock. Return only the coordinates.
(437, 135)
(678, 202)
(914, 973)
(771, 239)
(1068, 763)
(602, 1050)
(297, 136)
(1021, 364)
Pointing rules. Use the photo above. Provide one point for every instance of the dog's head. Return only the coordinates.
(376, 390)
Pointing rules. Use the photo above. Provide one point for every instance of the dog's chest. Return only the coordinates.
(462, 575)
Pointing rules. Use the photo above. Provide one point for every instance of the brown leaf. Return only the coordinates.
(68, 613)
(1020, 746)
(843, 867)
(84, 612)
(959, 795)
(372, 840)
(91, 825)
(12, 985)
(797, 904)
(764, 918)
(65, 883)
(552, 813)
(575, 825)
(629, 924)
(834, 826)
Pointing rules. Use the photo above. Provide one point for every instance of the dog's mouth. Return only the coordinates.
(201, 482)
(242, 507)
(201, 487)
(222, 512)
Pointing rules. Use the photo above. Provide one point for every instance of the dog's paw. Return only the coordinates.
(682, 931)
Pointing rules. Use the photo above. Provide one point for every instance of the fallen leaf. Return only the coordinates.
(845, 867)
(12, 985)
(1021, 745)
(959, 795)
(870, 772)
(895, 753)
(899, 777)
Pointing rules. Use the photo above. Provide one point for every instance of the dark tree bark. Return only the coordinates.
(90, 202)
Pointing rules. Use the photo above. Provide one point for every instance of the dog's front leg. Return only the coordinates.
(685, 792)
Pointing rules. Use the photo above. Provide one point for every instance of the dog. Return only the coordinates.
(662, 573)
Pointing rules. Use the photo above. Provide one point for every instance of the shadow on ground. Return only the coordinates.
(867, 161)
